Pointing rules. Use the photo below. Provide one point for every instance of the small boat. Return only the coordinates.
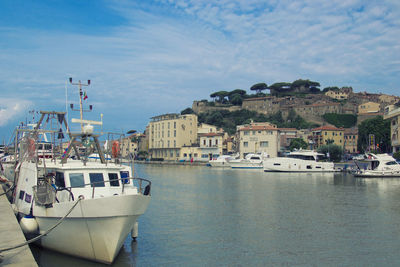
(299, 161)
(222, 161)
(377, 165)
(251, 161)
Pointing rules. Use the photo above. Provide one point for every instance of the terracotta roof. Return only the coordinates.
(211, 134)
(328, 128)
(287, 129)
(257, 128)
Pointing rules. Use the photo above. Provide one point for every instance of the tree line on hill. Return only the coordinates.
(298, 87)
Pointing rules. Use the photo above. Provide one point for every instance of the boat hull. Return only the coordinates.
(246, 165)
(377, 174)
(279, 165)
(96, 229)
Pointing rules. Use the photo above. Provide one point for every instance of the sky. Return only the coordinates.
(147, 58)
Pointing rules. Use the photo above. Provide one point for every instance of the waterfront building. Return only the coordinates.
(258, 138)
(169, 133)
(211, 145)
(321, 135)
(350, 140)
(392, 113)
(129, 145)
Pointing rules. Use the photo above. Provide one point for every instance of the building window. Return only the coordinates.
(174, 124)
(246, 144)
(174, 143)
(246, 132)
(174, 133)
(264, 144)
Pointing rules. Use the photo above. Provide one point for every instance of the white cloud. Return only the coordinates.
(10, 109)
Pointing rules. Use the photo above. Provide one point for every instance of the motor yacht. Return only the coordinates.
(377, 165)
(251, 161)
(299, 161)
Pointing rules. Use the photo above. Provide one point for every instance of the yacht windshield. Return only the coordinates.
(303, 157)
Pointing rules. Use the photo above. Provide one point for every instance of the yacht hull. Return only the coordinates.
(277, 165)
(96, 229)
(377, 174)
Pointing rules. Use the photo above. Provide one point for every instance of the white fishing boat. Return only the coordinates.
(377, 165)
(299, 161)
(251, 161)
(93, 205)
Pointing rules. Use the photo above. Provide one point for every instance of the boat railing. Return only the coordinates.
(46, 194)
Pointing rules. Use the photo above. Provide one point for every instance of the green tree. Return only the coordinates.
(341, 120)
(335, 152)
(378, 127)
(236, 99)
(297, 143)
(258, 87)
(187, 111)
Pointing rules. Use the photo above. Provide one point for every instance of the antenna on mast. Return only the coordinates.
(80, 84)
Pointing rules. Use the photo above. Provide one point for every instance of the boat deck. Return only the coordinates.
(11, 235)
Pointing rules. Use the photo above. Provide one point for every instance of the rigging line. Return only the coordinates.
(46, 232)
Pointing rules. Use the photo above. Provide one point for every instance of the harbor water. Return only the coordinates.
(202, 216)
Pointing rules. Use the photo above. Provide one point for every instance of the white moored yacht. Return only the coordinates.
(222, 161)
(251, 161)
(299, 161)
(378, 165)
(96, 203)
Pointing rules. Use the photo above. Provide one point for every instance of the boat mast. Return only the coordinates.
(80, 84)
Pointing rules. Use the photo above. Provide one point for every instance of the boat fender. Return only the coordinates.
(29, 225)
(135, 231)
(31, 147)
(115, 149)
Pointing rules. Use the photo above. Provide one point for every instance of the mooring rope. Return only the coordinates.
(8, 190)
(46, 232)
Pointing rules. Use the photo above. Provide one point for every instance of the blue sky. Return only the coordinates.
(146, 58)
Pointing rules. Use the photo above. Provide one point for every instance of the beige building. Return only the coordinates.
(211, 145)
(258, 138)
(169, 133)
(350, 140)
(337, 94)
(392, 113)
(321, 135)
(368, 108)
(129, 145)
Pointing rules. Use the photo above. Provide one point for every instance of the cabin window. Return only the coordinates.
(309, 167)
(21, 194)
(96, 179)
(60, 179)
(277, 164)
(113, 177)
(124, 174)
(76, 180)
